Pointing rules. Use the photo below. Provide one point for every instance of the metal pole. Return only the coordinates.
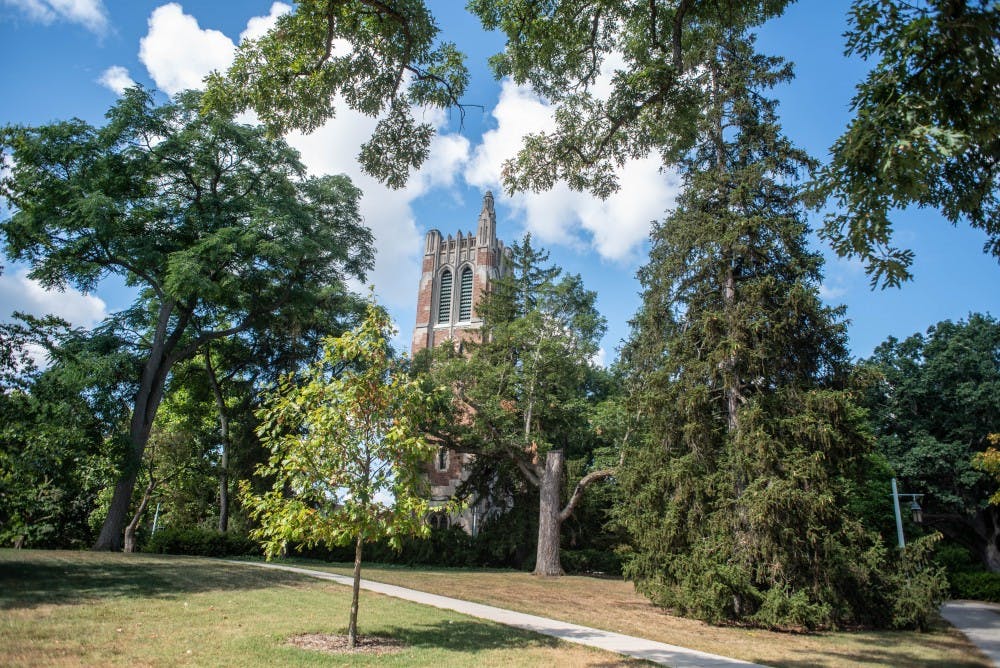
(899, 519)
(156, 518)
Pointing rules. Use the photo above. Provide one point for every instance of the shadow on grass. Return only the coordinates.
(31, 579)
(467, 636)
(888, 650)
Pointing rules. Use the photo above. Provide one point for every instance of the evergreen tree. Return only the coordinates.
(737, 497)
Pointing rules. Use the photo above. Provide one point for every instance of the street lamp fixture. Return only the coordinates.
(915, 510)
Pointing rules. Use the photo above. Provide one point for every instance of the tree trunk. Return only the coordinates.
(547, 557)
(140, 511)
(352, 626)
(220, 404)
(147, 400)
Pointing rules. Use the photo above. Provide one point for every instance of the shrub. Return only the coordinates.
(918, 586)
(980, 586)
(198, 541)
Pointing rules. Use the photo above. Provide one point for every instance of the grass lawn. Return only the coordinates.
(612, 604)
(84, 608)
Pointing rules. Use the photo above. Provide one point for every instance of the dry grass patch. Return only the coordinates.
(613, 605)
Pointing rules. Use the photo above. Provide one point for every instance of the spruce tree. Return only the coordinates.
(737, 498)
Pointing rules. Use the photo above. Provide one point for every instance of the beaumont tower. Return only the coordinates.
(456, 273)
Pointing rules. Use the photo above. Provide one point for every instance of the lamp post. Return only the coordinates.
(915, 509)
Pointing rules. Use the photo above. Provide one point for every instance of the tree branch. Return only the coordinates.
(581, 487)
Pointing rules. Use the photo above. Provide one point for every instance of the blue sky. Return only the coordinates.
(66, 58)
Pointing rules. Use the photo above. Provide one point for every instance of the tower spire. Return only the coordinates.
(487, 233)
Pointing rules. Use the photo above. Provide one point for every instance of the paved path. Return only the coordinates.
(657, 652)
(979, 621)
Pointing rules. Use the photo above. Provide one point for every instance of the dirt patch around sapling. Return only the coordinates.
(337, 644)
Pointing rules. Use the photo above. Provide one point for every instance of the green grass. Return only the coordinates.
(82, 608)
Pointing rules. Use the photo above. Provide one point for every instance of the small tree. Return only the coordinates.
(347, 456)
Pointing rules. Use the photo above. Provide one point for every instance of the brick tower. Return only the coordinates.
(456, 274)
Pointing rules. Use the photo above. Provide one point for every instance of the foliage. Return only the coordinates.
(376, 57)
(925, 128)
(988, 461)
(347, 455)
(975, 585)
(201, 542)
(54, 448)
(737, 499)
(656, 91)
(918, 587)
(210, 220)
(936, 400)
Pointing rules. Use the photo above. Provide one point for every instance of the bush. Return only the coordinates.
(918, 586)
(981, 586)
(201, 542)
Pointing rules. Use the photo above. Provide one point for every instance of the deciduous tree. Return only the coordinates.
(213, 223)
(378, 57)
(347, 452)
(936, 401)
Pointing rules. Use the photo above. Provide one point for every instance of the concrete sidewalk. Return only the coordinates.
(640, 648)
(979, 621)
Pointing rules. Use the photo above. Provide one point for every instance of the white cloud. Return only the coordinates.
(91, 14)
(614, 227)
(20, 293)
(259, 25)
(116, 78)
(178, 53)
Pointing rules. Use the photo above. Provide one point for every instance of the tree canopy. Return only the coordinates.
(933, 406)
(378, 57)
(925, 132)
(211, 221)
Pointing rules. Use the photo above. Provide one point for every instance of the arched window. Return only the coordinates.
(442, 459)
(465, 296)
(444, 300)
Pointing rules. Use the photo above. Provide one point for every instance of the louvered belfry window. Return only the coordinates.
(465, 300)
(444, 302)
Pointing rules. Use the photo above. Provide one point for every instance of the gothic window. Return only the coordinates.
(465, 298)
(442, 459)
(439, 521)
(444, 297)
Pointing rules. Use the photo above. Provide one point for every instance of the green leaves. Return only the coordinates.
(378, 57)
(347, 455)
(925, 131)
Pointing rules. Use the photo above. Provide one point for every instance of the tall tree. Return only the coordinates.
(211, 221)
(737, 496)
(925, 132)
(347, 452)
(378, 57)
(933, 408)
(523, 391)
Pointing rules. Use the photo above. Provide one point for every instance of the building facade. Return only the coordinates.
(455, 275)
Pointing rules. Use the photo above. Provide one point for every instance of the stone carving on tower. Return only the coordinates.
(456, 273)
